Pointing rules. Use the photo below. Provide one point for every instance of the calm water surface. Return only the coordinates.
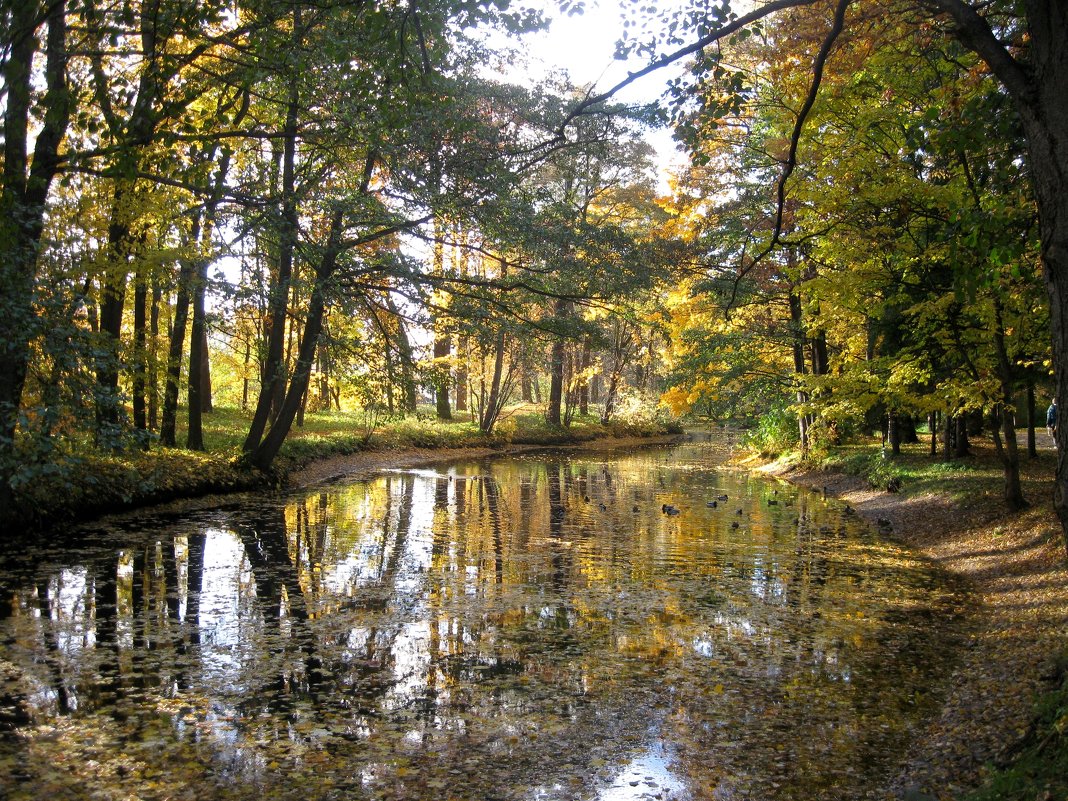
(515, 628)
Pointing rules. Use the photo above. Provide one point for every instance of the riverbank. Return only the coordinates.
(1016, 576)
(367, 463)
(80, 487)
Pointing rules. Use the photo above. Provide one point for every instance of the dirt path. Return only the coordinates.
(1015, 569)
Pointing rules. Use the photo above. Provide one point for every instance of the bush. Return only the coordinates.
(774, 434)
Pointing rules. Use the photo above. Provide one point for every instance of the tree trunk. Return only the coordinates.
(153, 355)
(798, 331)
(278, 304)
(442, 349)
(556, 368)
(186, 275)
(491, 410)
(584, 385)
(25, 189)
(139, 363)
(461, 375)
(194, 437)
(206, 404)
(264, 454)
(1032, 443)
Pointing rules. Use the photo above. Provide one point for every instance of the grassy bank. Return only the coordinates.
(1003, 730)
(84, 484)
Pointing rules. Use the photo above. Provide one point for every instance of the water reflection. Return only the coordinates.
(519, 628)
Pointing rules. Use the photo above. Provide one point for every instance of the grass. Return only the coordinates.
(915, 471)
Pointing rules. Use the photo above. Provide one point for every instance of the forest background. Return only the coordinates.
(329, 208)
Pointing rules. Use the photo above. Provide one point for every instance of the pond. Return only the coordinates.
(528, 627)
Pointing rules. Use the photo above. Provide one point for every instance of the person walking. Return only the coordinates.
(1051, 421)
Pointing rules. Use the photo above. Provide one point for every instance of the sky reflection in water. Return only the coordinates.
(519, 628)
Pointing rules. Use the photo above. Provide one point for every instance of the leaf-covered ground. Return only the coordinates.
(1014, 565)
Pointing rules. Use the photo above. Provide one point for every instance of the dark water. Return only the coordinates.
(479, 630)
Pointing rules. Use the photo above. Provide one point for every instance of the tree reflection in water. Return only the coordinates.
(521, 628)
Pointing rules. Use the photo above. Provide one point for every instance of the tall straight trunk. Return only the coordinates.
(139, 363)
(112, 302)
(932, 425)
(206, 404)
(798, 331)
(153, 355)
(556, 383)
(556, 368)
(187, 273)
(584, 386)
(273, 367)
(263, 455)
(461, 375)
(194, 439)
(1032, 443)
(442, 350)
(26, 184)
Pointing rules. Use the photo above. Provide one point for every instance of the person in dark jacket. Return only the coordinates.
(1051, 420)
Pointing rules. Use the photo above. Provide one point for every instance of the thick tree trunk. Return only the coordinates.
(553, 411)
(194, 438)
(22, 200)
(442, 382)
(206, 404)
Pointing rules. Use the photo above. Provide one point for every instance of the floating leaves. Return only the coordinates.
(481, 631)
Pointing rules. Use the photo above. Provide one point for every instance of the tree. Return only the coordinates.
(25, 27)
(1026, 53)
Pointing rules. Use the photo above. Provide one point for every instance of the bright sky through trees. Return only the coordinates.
(584, 46)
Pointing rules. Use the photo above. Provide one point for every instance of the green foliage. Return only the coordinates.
(775, 433)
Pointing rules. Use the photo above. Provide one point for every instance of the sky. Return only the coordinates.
(584, 46)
